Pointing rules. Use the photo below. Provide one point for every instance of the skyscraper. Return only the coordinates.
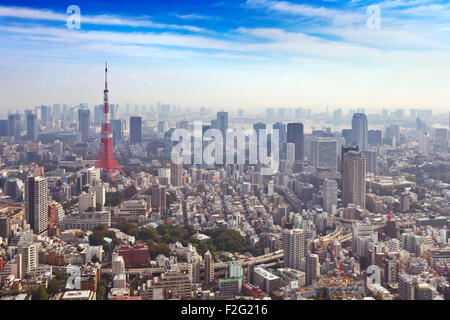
(354, 179)
(159, 198)
(330, 195)
(32, 127)
(222, 122)
(312, 268)
(3, 128)
(324, 153)
(294, 248)
(295, 136)
(84, 122)
(117, 131)
(14, 126)
(36, 198)
(360, 133)
(290, 153)
(45, 115)
(176, 174)
(209, 268)
(135, 130)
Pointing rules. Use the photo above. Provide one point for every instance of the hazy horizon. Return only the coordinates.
(246, 55)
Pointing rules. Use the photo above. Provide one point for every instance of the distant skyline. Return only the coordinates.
(246, 54)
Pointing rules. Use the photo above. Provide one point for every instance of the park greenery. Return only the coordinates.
(221, 239)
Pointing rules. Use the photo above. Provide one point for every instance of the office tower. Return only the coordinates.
(3, 128)
(159, 198)
(86, 201)
(36, 198)
(290, 153)
(222, 123)
(295, 136)
(360, 230)
(354, 179)
(441, 137)
(421, 125)
(371, 161)
(117, 131)
(114, 109)
(162, 126)
(374, 137)
(406, 286)
(45, 116)
(5, 227)
(117, 264)
(256, 130)
(360, 131)
(84, 123)
(135, 130)
(344, 150)
(209, 268)
(14, 126)
(281, 127)
(176, 175)
(98, 114)
(32, 127)
(106, 159)
(30, 256)
(347, 135)
(324, 153)
(259, 126)
(337, 115)
(390, 269)
(330, 197)
(57, 111)
(393, 131)
(294, 248)
(312, 268)
(392, 228)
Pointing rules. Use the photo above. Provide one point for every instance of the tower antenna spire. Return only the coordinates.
(106, 75)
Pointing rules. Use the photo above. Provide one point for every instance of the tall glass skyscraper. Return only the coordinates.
(360, 135)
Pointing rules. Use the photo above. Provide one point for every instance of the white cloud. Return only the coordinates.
(48, 15)
(331, 15)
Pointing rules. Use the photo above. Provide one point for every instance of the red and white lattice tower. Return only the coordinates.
(106, 159)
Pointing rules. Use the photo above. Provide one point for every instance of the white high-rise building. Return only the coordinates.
(30, 257)
(290, 154)
(36, 200)
(117, 264)
(100, 194)
(330, 198)
(294, 248)
(86, 201)
(360, 230)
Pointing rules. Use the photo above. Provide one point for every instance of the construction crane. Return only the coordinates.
(334, 257)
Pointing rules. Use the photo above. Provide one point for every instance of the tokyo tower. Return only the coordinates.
(106, 159)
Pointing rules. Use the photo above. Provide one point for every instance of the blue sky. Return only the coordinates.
(234, 54)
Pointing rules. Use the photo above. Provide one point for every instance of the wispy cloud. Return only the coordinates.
(309, 11)
(107, 20)
(193, 16)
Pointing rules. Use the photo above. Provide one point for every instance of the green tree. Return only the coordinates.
(53, 286)
(95, 259)
(41, 294)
